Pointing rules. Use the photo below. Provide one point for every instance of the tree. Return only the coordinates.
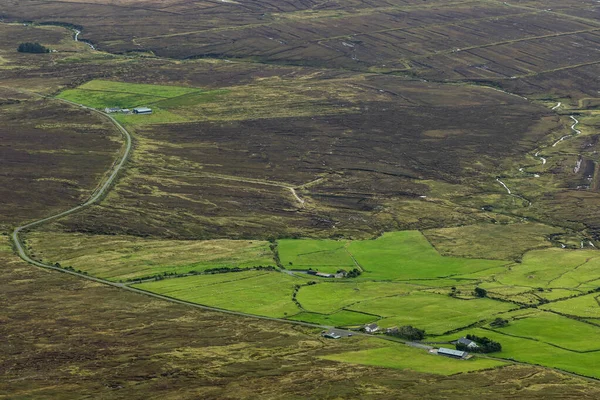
(480, 292)
(32, 48)
(485, 345)
(407, 332)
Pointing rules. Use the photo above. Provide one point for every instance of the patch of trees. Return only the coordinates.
(480, 292)
(499, 323)
(485, 344)
(32, 48)
(407, 332)
(354, 273)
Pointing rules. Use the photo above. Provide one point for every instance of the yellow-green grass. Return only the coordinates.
(555, 294)
(315, 254)
(329, 297)
(554, 268)
(408, 255)
(343, 318)
(555, 329)
(254, 292)
(583, 306)
(435, 313)
(497, 241)
(130, 257)
(400, 356)
(535, 352)
(163, 99)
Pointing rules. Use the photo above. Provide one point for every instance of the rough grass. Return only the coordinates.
(400, 356)
(254, 292)
(129, 257)
(434, 313)
(496, 241)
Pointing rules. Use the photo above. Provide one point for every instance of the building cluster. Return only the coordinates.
(137, 110)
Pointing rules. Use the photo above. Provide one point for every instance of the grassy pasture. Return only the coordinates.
(101, 94)
(254, 292)
(340, 318)
(400, 356)
(540, 353)
(315, 254)
(553, 268)
(408, 255)
(555, 329)
(129, 257)
(435, 313)
(583, 306)
(330, 297)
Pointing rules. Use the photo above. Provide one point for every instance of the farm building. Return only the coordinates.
(467, 342)
(371, 328)
(331, 335)
(142, 110)
(451, 353)
(392, 331)
(112, 110)
(324, 275)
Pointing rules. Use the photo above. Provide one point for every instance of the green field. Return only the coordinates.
(408, 255)
(582, 306)
(321, 255)
(255, 292)
(101, 94)
(554, 268)
(329, 297)
(536, 352)
(340, 318)
(554, 329)
(164, 100)
(400, 356)
(433, 312)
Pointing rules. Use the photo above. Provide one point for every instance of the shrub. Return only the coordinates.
(480, 292)
(486, 345)
(407, 332)
(32, 48)
(499, 323)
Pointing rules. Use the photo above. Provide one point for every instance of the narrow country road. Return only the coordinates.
(95, 198)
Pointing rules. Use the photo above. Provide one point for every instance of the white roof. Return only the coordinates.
(142, 109)
(457, 353)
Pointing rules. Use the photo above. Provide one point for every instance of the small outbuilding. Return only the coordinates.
(331, 335)
(468, 343)
(142, 110)
(371, 328)
(442, 351)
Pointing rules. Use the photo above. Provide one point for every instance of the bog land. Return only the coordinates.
(432, 164)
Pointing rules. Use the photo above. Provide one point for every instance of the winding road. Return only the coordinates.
(96, 196)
